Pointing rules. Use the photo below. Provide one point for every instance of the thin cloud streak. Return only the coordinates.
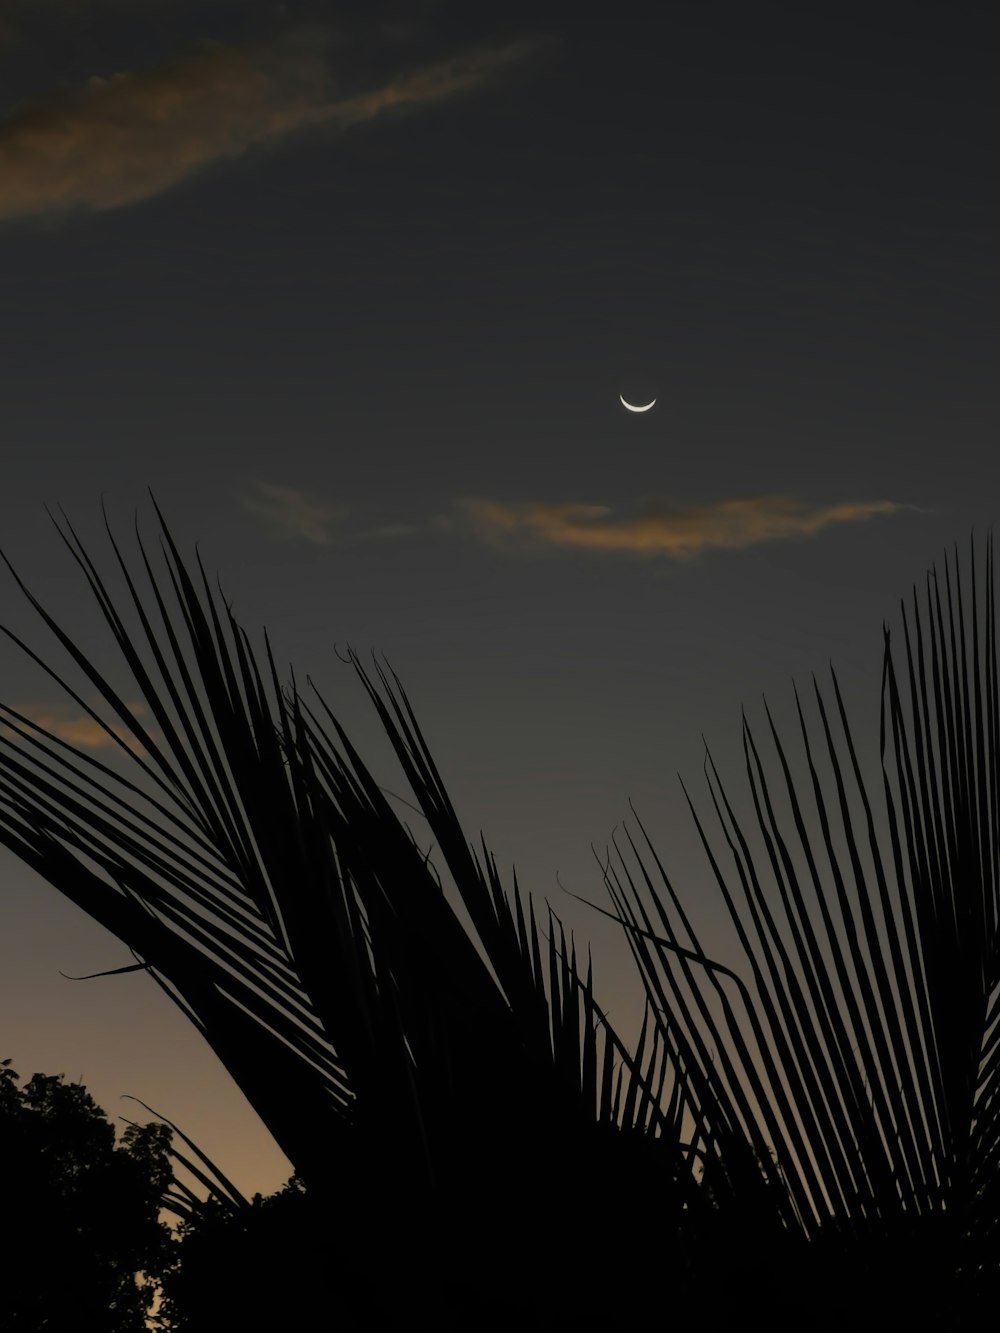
(123, 139)
(432, 83)
(83, 730)
(676, 531)
(290, 514)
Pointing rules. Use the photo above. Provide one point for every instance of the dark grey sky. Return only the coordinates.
(356, 296)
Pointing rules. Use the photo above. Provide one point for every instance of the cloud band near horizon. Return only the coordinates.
(676, 531)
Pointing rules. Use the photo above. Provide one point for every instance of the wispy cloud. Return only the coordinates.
(118, 140)
(288, 513)
(678, 531)
(401, 530)
(431, 83)
(387, 532)
(82, 730)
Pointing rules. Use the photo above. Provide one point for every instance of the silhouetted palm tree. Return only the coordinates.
(802, 1138)
(858, 1053)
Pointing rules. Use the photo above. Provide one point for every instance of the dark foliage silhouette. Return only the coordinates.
(265, 1265)
(81, 1211)
(483, 1148)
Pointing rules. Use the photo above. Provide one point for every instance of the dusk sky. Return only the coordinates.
(355, 290)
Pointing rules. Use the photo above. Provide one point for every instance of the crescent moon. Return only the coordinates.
(632, 407)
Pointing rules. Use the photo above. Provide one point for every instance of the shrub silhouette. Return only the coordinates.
(265, 1265)
(816, 1122)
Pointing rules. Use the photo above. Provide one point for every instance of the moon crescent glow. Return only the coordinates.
(632, 408)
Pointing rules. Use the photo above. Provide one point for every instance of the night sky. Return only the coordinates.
(355, 289)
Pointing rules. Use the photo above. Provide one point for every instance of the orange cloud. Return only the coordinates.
(119, 140)
(678, 531)
(83, 731)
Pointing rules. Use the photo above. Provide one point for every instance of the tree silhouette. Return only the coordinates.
(81, 1212)
(819, 1117)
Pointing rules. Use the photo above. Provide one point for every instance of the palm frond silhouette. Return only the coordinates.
(817, 1120)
